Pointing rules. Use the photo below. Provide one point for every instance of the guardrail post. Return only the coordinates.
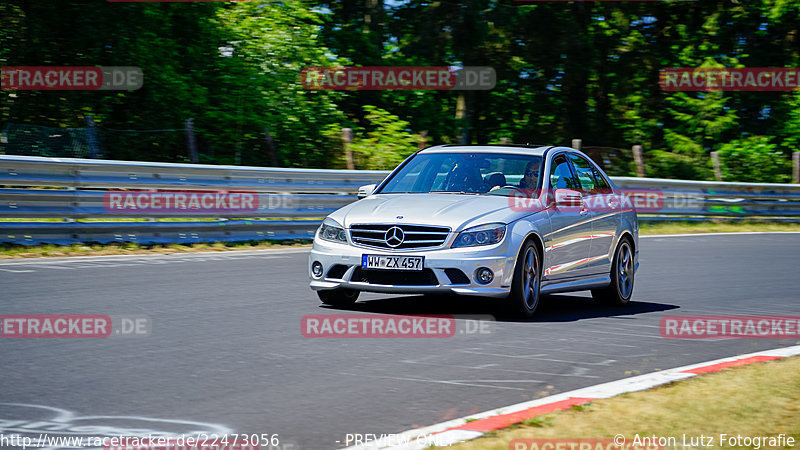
(717, 169)
(577, 143)
(796, 167)
(638, 160)
(347, 138)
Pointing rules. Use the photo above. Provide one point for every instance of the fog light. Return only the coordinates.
(316, 269)
(484, 275)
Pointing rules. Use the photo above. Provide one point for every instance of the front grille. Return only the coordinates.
(416, 236)
(426, 277)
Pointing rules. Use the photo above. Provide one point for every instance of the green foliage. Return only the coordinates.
(565, 70)
(697, 122)
(791, 128)
(662, 164)
(756, 159)
(267, 47)
(386, 143)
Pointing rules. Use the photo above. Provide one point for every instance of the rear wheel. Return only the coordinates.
(622, 271)
(338, 297)
(525, 289)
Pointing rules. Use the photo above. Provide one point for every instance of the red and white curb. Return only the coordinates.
(474, 426)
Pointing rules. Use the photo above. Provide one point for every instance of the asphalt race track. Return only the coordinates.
(226, 353)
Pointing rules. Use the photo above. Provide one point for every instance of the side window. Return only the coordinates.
(602, 185)
(561, 176)
(585, 173)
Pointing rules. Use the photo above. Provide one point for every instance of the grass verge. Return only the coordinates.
(757, 400)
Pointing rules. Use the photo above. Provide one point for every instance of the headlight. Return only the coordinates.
(488, 234)
(330, 230)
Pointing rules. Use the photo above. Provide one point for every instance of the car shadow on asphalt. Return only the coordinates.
(553, 308)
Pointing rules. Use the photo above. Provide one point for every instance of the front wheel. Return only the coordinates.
(622, 271)
(524, 297)
(338, 297)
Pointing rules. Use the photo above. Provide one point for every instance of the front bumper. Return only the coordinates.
(439, 265)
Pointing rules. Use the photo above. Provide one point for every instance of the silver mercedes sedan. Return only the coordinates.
(510, 222)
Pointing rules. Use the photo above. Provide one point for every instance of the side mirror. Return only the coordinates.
(366, 190)
(568, 198)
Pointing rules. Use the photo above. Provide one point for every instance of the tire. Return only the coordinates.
(526, 288)
(338, 297)
(620, 290)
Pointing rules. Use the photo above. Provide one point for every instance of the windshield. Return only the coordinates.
(466, 173)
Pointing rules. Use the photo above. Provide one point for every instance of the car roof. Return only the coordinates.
(534, 150)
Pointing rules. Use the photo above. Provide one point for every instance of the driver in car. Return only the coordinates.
(531, 177)
(465, 177)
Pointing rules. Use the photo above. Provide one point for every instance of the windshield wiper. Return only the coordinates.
(454, 192)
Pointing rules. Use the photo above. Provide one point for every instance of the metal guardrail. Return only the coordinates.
(82, 204)
(107, 174)
(63, 233)
(75, 189)
(708, 198)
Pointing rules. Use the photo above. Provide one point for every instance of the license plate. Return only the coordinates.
(414, 263)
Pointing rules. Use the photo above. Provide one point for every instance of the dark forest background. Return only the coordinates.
(565, 70)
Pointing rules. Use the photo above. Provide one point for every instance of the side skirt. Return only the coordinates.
(577, 285)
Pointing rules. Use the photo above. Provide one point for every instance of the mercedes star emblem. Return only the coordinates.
(394, 237)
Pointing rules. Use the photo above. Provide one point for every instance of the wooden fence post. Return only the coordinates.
(91, 138)
(422, 140)
(796, 167)
(717, 167)
(463, 105)
(273, 154)
(638, 160)
(347, 138)
(577, 144)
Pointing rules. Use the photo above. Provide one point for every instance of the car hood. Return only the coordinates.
(457, 211)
